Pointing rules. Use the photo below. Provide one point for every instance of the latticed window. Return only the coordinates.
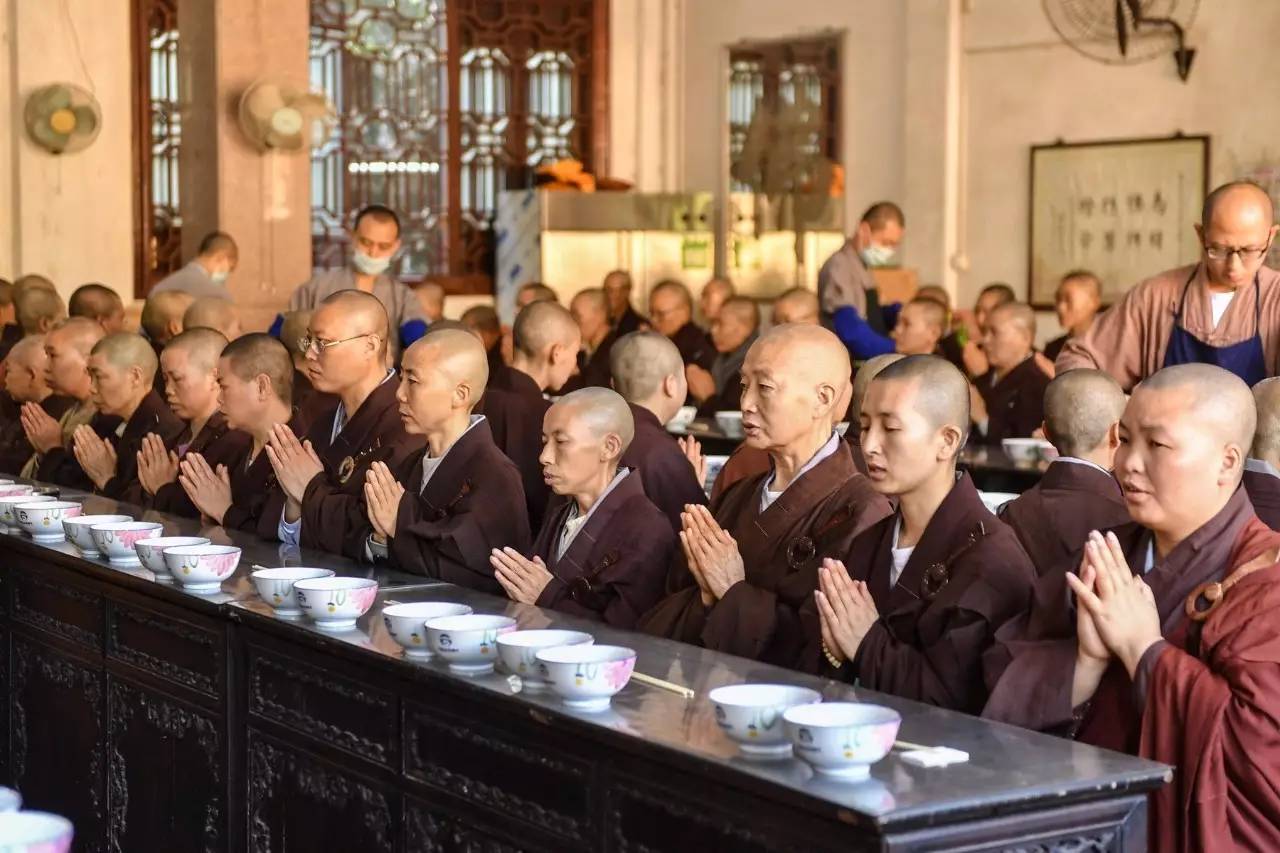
(442, 105)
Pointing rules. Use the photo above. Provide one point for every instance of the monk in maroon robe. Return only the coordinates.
(927, 587)
(602, 553)
(457, 497)
(1009, 402)
(591, 311)
(1077, 493)
(24, 381)
(1262, 468)
(749, 562)
(1164, 643)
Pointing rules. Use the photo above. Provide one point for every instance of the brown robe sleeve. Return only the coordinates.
(1119, 342)
(334, 516)
(228, 449)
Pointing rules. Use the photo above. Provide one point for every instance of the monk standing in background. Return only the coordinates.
(1262, 468)
(1224, 310)
(749, 562)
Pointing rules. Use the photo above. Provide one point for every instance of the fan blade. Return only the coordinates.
(50, 139)
(262, 100)
(1122, 30)
(86, 120)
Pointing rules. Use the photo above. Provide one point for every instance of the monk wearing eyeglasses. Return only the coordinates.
(1224, 310)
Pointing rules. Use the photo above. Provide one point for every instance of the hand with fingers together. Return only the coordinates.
(712, 551)
(846, 610)
(294, 462)
(1122, 606)
(157, 466)
(382, 494)
(209, 490)
(97, 456)
(522, 578)
(43, 431)
(693, 452)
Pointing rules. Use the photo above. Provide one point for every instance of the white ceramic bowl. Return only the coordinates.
(151, 552)
(842, 739)
(202, 568)
(518, 652)
(407, 623)
(751, 715)
(10, 800)
(730, 423)
(587, 677)
(468, 643)
(43, 519)
(993, 501)
(1027, 451)
(115, 539)
(8, 502)
(683, 416)
(335, 603)
(9, 489)
(275, 586)
(79, 531)
(35, 832)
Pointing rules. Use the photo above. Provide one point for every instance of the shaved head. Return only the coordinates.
(38, 309)
(795, 380)
(935, 292)
(25, 369)
(162, 314)
(1238, 199)
(592, 297)
(202, 345)
(1080, 407)
(431, 297)
(944, 400)
(542, 324)
(603, 411)
(1266, 437)
(442, 377)
(259, 354)
(81, 333)
(294, 329)
(535, 291)
(1018, 314)
(1216, 399)
(482, 319)
(674, 288)
(797, 305)
(27, 347)
(455, 353)
(640, 362)
(363, 311)
(124, 350)
(32, 281)
(213, 312)
(870, 370)
(97, 302)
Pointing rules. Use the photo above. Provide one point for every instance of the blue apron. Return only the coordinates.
(1245, 359)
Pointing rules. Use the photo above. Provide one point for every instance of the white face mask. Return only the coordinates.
(219, 277)
(878, 256)
(366, 265)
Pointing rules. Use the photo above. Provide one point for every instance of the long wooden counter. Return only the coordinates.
(158, 719)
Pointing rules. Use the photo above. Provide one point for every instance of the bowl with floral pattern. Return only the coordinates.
(79, 531)
(275, 586)
(8, 502)
(335, 603)
(587, 677)
(518, 651)
(151, 552)
(42, 520)
(751, 715)
(406, 622)
(202, 568)
(841, 739)
(469, 643)
(115, 539)
(35, 832)
(9, 489)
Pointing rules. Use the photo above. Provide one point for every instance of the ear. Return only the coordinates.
(1113, 435)
(461, 395)
(826, 398)
(952, 441)
(174, 327)
(1232, 463)
(670, 385)
(612, 446)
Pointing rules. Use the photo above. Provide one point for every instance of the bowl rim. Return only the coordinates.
(732, 414)
(517, 639)
(265, 573)
(54, 504)
(495, 620)
(96, 518)
(193, 550)
(356, 583)
(151, 541)
(876, 715)
(721, 695)
(29, 497)
(396, 611)
(128, 525)
(565, 654)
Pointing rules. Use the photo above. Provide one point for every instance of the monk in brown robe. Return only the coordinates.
(255, 373)
(189, 363)
(927, 587)
(671, 314)
(546, 341)
(1077, 493)
(591, 312)
(749, 562)
(1008, 400)
(122, 368)
(456, 497)
(1262, 468)
(602, 553)
(161, 320)
(322, 476)
(718, 388)
(649, 374)
(25, 382)
(1108, 652)
(308, 402)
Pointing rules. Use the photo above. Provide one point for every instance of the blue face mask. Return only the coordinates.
(366, 265)
(878, 256)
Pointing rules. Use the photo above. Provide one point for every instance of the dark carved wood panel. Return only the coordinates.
(165, 774)
(5, 770)
(337, 711)
(302, 804)
(58, 736)
(58, 608)
(429, 830)
(176, 651)
(518, 775)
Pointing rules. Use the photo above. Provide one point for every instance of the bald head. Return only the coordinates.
(259, 354)
(483, 321)
(38, 310)
(1080, 408)
(944, 392)
(870, 370)
(714, 294)
(641, 362)
(100, 304)
(1236, 202)
(738, 320)
(125, 350)
(541, 325)
(456, 353)
(32, 281)
(797, 305)
(431, 298)
(79, 333)
(213, 312)
(603, 411)
(1010, 336)
(202, 345)
(795, 386)
(293, 330)
(534, 291)
(26, 348)
(935, 292)
(162, 314)
(1214, 399)
(25, 368)
(363, 313)
(1266, 436)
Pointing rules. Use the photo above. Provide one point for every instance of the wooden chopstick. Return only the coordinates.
(906, 744)
(664, 685)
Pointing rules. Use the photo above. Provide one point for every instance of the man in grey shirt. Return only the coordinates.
(845, 280)
(206, 274)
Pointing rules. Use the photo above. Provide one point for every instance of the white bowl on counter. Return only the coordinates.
(730, 423)
(8, 502)
(115, 539)
(406, 622)
(469, 643)
(10, 489)
(151, 552)
(683, 417)
(1028, 451)
(42, 520)
(275, 587)
(202, 568)
(751, 715)
(335, 603)
(518, 652)
(79, 531)
(995, 501)
(35, 832)
(842, 739)
(587, 677)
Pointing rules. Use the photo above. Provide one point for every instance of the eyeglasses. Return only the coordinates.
(1246, 254)
(306, 343)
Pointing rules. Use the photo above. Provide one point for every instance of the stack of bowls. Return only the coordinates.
(751, 715)
(10, 499)
(518, 652)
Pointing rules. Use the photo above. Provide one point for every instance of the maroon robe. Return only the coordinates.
(669, 479)
(60, 465)
(1015, 404)
(1054, 348)
(472, 504)
(153, 415)
(928, 643)
(515, 419)
(219, 445)
(615, 567)
(1264, 494)
(335, 496)
(15, 450)
(817, 516)
(745, 461)
(256, 498)
(629, 322)
(1055, 516)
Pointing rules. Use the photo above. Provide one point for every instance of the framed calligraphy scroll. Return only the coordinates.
(1123, 209)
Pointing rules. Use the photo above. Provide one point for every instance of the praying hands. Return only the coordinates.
(97, 456)
(43, 431)
(382, 494)
(712, 554)
(692, 450)
(209, 490)
(157, 466)
(1117, 610)
(523, 579)
(295, 464)
(846, 611)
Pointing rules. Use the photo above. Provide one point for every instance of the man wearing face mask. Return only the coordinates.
(845, 280)
(375, 240)
(206, 274)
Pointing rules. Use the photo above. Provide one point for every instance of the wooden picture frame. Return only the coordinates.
(1122, 208)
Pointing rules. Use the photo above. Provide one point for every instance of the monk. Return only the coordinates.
(190, 367)
(926, 587)
(1223, 310)
(322, 475)
(483, 322)
(431, 300)
(649, 374)
(214, 312)
(671, 314)
(1077, 493)
(920, 327)
(1107, 651)
(306, 399)
(1008, 400)
(623, 317)
(123, 367)
(869, 370)
(161, 320)
(100, 304)
(591, 312)
(206, 274)
(989, 299)
(797, 305)
(749, 562)
(1262, 468)
(456, 497)
(534, 291)
(38, 310)
(846, 287)
(732, 334)
(546, 343)
(255, 374)
(1077, 302)
(25, 382)
(714, 294)
(602, 553)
